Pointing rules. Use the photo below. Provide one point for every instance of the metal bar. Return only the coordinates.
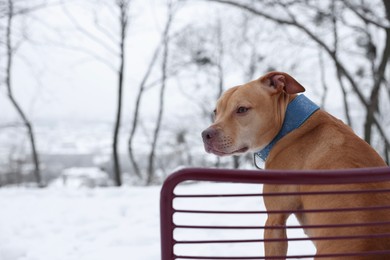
(313, 177)
(371, 236)
(368, 253)
(166, 221)
(284, 211)
(272, 194)
(288, 227)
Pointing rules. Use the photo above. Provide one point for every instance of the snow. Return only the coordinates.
(119, 223)
(88, 224)
(82, 176)
(90, 172)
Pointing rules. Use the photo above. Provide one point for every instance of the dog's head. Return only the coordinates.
(249, 116)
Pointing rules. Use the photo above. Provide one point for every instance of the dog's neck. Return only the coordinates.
(297, 112)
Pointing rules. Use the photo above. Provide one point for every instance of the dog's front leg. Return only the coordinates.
(275, 233)
(275, 230)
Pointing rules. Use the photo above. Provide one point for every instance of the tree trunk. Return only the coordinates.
(151, 168)
(123, 24)
(133, 160)
(378, 79)
(8, 82)
(117, 167)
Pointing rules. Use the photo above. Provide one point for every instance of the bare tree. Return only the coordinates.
(378, 61)
(135, 122)
(164, 69)
(123, 6)
(116, 46)
(11, 49)
(334, 21)
(148, 83)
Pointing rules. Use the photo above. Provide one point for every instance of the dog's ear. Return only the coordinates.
(276, 82)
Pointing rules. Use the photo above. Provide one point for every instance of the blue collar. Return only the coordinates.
(297, 112)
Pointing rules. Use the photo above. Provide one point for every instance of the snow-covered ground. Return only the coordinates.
(88, 224)
(117, 223)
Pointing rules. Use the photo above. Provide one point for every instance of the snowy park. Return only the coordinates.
(100, 101)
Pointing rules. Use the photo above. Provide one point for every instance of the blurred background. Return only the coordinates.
(117, 92)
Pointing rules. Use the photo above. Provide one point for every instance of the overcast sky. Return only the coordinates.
(56, 83)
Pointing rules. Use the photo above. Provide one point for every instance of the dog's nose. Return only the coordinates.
(208, 134)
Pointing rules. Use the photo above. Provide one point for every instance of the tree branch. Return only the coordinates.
(89, 53)
(134, 126)
(164, 66)
(88, 34)
(364, 18)
(16, 105)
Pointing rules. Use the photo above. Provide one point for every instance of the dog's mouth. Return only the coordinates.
(212, 150)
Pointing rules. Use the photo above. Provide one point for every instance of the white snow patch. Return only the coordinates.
(117, 223)
(69, 224)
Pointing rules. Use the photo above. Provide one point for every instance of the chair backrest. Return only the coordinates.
(173, 247)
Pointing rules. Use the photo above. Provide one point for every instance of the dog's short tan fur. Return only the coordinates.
(249, 116)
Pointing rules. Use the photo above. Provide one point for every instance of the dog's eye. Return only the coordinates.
(241, 110)
(214, 115)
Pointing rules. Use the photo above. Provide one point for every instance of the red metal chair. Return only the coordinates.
(320, 177)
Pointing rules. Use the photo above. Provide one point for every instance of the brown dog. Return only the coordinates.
(291, 133)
